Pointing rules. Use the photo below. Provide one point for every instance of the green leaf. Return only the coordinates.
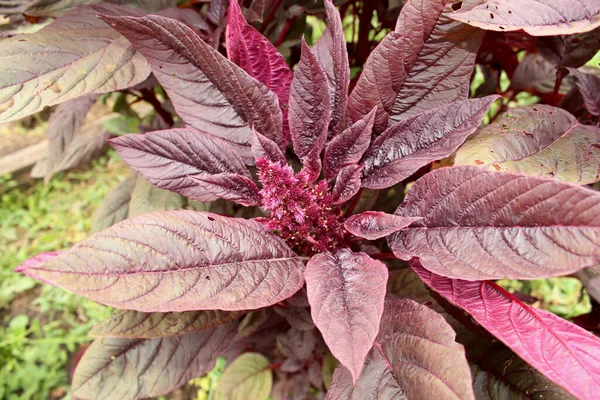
(248, 377)
(147, 198)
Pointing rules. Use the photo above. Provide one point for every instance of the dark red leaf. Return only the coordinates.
(376, 224)
(420, 139)
(332, 54)
(551, 17)
(266, 148)
(253, 52)
(347, 184)
(589, 86)
(232, 187)
(570, 51)
(178, 261)
(310, 107)
(346, 292)
(117, 368)
(480, 224)
(170, 158)
(348, 147)
(562, 351)
(414, 356)
(297, 344)
(426, 62)
(208, 91)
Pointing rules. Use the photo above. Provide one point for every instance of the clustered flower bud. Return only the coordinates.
(301, 212)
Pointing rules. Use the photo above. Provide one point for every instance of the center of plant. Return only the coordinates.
(301, 212)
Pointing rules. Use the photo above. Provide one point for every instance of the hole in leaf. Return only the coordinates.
(211, 219)
(501, 27)
(207, 278)
(491, 15)
(509, 11)
(457, 6)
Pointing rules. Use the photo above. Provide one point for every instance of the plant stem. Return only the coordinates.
(271, 15)
(352, 205)
(149, 96)
(559, 77)
(383, 256)
(284, 31)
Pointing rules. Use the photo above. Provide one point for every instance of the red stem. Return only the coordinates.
(284, 31)
(271, 15)
(559, 77)
(383, 256)
(352, 205)
(149, 96)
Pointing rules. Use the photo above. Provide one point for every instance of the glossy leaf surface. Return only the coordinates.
(76, 55)
(347, 184)
(170, 158)
(178, 261)
(310, 107)
(232, 187)
(208, 91)
(551, 17)
(538, 140)
(562, 351)
(426, 62)
(135, 324)
(373, 225)
(346, 292)
(116, 368)
(414, 356)
(420, 139)
(478, 224)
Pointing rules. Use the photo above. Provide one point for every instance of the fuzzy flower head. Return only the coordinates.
(301, 212)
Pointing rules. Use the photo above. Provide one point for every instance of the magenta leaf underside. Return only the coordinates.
(562, 351)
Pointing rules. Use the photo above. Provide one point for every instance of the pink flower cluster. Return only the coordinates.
(301, 212)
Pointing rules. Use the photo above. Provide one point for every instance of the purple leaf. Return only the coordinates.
(178, 261)
(426, 62)
(147, 198)
(263, 147)
(346, 292)
(479, 224)
(253, 52)
(348, 147)
(209, 92)
(139, 325)
(116, 368)
(78, 64)
(589, 86)
(414, 356)
(170, 158)
(535, 74)
(537, 140)
(420, 139)
(297, 344)
(347, 184)
(332, 54)
(232, 187)
(536, 17)
(310, 107)
(570, 51)
(373, 225)
(562, 351)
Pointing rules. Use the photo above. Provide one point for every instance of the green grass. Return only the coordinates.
(42, 325)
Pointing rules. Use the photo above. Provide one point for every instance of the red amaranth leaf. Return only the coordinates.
(169, 158)
(263, 147)
(416, 141)
(347, 184)
(415, 355)
(310, 107)
(426, 62)
(480, 224)
(346, 292)
(537, 140)
(208, 91)
(232, 187)
(63, 61)
(140, 325)
(117, 368)
(562, 351)
(373, 225)
(589, 86)
(348, 147)
(253, 52)
(332, 54)
(178, 261)
(536, 17)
